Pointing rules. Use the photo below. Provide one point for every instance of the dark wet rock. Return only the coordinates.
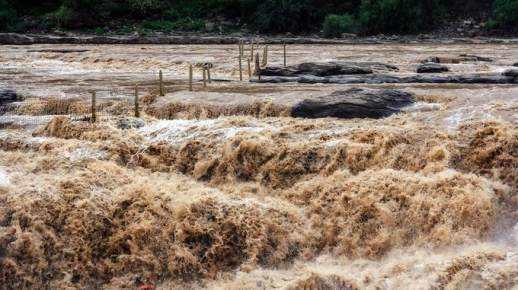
(511, 73)
(366, 79)
(8, 96)
(321, 69)
(58, 50)
(436, 59)
(316, 69)
(461, 58)
(130, 123)
(471, 57)
(354, 103)
(337, 68)
(494, 78)
(484, 79)
(515, 64)
(432, 68)
(15, 39)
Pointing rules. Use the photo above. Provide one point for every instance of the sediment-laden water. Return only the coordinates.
(221, 189)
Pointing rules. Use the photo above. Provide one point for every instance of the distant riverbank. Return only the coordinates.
(27, 39)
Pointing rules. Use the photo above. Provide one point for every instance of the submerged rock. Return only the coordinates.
(432, 68)
(459, 59)
(316, 69)
(67, 50)
(354, 103)
(493, 78)
(8, 96)
(511, 73)
(130, 123)
(471, 57)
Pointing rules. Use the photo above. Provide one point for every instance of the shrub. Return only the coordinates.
(399, 16)
(506, 13)
(99, 31)
(158, 25)
(63, 16)
(285, 15)
(145, 7)
(7, 15)
(335, 25)
(189, 24)
(185, 24)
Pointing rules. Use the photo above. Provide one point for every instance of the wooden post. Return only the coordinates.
(284, 46)
(252, 50)
(265, 55)
(240, 69)
(190, 77)
(257, 66)
(204, 78)
(94, 107)
(137, 110)
(249, 68)
(161, 83)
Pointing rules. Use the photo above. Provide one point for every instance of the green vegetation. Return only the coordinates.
(334, 17)
(400, 16)
(7, 15)
(506, 13)
(336, 25)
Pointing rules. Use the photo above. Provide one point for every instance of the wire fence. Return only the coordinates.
(93, 106)
(100, 104)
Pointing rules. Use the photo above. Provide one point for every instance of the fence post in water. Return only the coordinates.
(190, 77)
(265, 55)
(137, 110)
(204, 78)
(240, 69)
(284, 46)
(208, 74)
(94, 105)
(252, 50)
(249, 68)
(257, 66)
(161, 83)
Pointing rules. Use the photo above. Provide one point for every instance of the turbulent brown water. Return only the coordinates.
(221, 189)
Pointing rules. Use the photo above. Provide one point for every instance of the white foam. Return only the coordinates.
(179, 131)
(4, 178)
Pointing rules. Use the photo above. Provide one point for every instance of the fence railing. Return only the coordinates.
(98, 104)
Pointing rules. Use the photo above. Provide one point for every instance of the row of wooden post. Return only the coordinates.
(206, 75)
(258, 63)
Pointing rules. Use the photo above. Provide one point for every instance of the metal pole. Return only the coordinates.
(208, 74)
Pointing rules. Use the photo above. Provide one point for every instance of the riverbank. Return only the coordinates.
(28, 39)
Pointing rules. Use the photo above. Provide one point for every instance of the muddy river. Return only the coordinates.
(219, 188)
